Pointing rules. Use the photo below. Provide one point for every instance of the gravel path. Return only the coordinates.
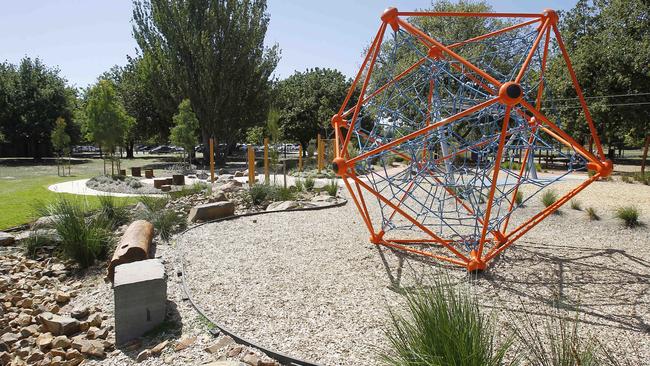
(309, 284)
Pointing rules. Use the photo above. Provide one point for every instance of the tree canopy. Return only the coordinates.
(307, 101)
(106, 119)
(32, 97)
(214, 52)
(184, 132)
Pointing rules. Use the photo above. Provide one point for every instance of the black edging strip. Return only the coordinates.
(282, 358)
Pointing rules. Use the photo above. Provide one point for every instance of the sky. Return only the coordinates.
(84, 38)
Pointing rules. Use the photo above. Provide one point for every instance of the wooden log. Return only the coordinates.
(169, 181)
(148, 173)
(157, 183)
(133, 246)
(178, 179)
(136, 172)
(166, 188)
(123, 172)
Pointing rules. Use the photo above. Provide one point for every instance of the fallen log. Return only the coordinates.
(133, 246)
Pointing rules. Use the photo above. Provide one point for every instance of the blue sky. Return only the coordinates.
(84, 38)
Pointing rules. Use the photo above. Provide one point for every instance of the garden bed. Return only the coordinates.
(120, 184)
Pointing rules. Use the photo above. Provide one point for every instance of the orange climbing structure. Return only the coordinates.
(466, 118)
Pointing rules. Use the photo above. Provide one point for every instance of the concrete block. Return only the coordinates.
(140, 293)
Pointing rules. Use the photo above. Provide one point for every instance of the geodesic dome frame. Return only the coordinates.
(467, 118)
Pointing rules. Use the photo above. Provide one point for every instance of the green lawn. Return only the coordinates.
(23, 186)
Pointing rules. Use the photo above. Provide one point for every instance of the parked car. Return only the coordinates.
(162, 149)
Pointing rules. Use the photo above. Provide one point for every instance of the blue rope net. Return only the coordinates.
(447, 173)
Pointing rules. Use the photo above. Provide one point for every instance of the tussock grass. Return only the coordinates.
(332, 188)
(443, 327)
(84, 238)
(576, 205)
(549, 197)
(309, 183)
(629, 215)
(519, 198)
(592, 214)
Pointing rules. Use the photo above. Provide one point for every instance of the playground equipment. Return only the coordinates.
(467, 117)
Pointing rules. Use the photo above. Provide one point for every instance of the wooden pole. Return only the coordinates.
(300, 158)
(251, 166)
(211, 160)
(645, 154)
(318, 153)
(266, 160)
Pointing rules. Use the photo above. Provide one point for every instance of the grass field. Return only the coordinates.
(23, 185)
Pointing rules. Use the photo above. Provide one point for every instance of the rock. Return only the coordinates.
(211, 211)
(5, 358)
(61, 297)
(29, 330)
(45, 222)
(24, 319)
(143, 355)
(159, 347)
(34, 357)
(9, 338)
(89, 347)
(251, 359)
(61, 342)
(44, 341)
(74, 354)
(46, 235)
(231, 186)
(59, 325)
(218, 196)
(58, 352)
(239, 174)
(79, 312)
(56, 361)
(221, 343)
(6, 239)
(184, 343)
(95, 320)
(283, 205)
(132, 345)
(97, 333)
(235, 351)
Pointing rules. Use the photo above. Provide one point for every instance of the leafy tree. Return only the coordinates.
(609, 46)
(214, 51)
(308, 100)
(255, 135)
(60, 142)
(106, 120)
(183, 133)
(32, 97)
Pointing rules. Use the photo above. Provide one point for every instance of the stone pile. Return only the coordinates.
(39, 324)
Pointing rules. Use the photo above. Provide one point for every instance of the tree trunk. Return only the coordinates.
(129, 149)
(645, 153)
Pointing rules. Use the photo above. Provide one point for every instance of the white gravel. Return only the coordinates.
(309, 283)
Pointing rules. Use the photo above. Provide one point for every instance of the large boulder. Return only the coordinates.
(6, 239)
(218, 196)
(211, 211)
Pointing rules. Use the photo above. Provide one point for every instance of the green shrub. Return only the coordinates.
(115, 214)
(549, 197)
(309, 183)
(576, 205)
(519, 198)
(643, 178)
(168, 222)
(299, 185)
(332, 188)
(258, 193)
(626, 179)
(592, 214)
(82, 240)
(629, 215)
(277, 193)
(443, 327)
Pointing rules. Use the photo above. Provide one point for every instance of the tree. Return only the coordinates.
(106, 119)
(186, 125)
(308, 100)
(61, 143)
(609, 46)
(214, 52)
(32, 97)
